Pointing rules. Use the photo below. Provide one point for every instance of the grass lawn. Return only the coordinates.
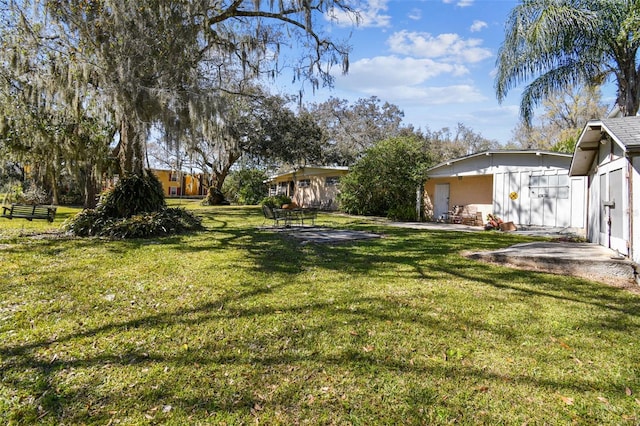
(238, 325)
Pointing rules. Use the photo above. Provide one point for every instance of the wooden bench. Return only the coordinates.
(29, 212)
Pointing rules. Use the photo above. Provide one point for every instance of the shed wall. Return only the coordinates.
(635, 207)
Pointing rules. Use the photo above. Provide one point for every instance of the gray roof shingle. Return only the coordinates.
(625, 129)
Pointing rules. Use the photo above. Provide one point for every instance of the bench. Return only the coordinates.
(29, 212)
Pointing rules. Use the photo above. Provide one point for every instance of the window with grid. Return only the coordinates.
(332, 181)
(549, 186)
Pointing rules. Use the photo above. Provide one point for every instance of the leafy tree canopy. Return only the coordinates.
(350, 129)
(562, 118)
(137, 63)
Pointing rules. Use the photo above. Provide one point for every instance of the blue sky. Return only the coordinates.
(434, 59)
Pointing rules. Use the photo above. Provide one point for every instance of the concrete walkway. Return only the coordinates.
(586, 260)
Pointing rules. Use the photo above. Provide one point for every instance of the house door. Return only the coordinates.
(441, 201)
(612, 207)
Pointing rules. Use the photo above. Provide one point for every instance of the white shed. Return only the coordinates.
(528, 188)
(608, 152)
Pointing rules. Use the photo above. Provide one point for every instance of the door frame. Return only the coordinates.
(613, 199)
(440, 210)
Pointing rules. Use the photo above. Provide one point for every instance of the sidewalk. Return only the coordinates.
(585, 260)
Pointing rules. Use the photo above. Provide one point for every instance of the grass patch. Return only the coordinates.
(239, 325)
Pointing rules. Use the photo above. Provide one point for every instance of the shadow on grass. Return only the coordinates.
(428, 257)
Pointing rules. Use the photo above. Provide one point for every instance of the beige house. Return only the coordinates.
(528, 188)
(310, 186)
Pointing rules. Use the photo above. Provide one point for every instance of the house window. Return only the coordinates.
(173, 190)
(552, 186)
(304, 183)
(282, 188)
(332, 181)
(173, 176)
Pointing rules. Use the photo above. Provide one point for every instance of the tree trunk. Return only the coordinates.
(55, 196)
(90, 189)
(130, 150)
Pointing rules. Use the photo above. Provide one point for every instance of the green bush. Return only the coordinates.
(145, 225)
(134, 208)
(275, 201)
(133, 195)
(402, 213)
(384, 181)
(33, 195)
(245, 186)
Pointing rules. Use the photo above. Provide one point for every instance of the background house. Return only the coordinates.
(309, 186)
(608, 153)
(528, 188)
(176, 183)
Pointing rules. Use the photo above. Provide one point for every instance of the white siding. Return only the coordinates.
(517, 193)
(541, 198)
(635, 208)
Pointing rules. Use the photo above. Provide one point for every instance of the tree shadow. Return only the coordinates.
(291, 354)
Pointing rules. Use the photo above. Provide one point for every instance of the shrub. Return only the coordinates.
(384, 181)
(33, 195)
(133, 195)
(276, 201)
(402, 213)
(134, 208)
(215, 197)
(145, 225)
(245, 186)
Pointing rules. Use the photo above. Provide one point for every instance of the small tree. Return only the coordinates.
(245, 186)
(384, 181)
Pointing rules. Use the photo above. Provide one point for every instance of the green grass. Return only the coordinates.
(239, 325)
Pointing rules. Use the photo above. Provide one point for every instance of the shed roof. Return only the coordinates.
(624, 131)
(309, 170)
(486, 162)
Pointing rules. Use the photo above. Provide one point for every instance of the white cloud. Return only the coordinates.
(405, 80)
(459, 3)
(369, 14)
(444, 95)
(415, 14)
(478, 26)
(448, 47)
(395, 71)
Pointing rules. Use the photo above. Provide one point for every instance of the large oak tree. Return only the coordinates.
(147, 62)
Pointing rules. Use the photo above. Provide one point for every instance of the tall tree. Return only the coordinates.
(37, 128)
(255, 125)
(352, 128)
(447, 143)
(560, 43)
(563, 118)
(131, 61)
